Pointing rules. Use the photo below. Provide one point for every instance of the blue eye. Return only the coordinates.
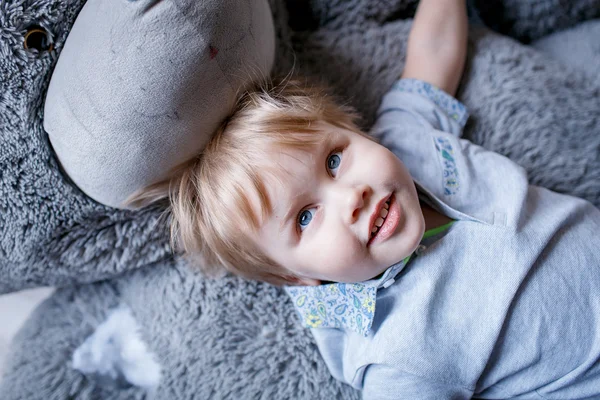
(333, 162)
(305, 217)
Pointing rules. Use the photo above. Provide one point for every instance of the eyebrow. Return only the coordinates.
(288, 215)
(290, 218)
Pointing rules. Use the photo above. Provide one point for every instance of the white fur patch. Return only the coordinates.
(117, 351)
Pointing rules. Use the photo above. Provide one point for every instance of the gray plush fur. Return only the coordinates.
(578, 56)
(50, 232)
(229, 338)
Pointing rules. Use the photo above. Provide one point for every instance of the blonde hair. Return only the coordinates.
(211, 195)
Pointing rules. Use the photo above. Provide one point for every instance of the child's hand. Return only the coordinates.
(437, 44)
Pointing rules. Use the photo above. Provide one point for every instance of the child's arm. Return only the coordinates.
(437, 44)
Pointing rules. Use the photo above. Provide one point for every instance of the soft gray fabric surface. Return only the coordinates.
(530, 20)
(42, 370)
(229, 338)
(50, 232)
(575, 49)
(131, 97)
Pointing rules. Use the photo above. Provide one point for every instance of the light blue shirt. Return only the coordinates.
(505, 304)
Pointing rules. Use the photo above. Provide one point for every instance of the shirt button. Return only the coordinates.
(388, 283)
(420, 249)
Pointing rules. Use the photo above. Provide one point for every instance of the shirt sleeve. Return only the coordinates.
(384, 383)
(415, 104)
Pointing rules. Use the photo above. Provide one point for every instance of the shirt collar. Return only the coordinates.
(342, 305)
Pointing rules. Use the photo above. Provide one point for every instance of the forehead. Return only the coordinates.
(291, 172)
(285, 175)
(265, 182)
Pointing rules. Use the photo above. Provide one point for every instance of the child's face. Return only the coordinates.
(326, 204)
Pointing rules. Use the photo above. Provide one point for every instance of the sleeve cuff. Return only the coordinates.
(453, 108)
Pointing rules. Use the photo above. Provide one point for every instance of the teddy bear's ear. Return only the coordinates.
(140, 86)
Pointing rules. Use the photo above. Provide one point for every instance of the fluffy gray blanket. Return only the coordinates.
(229, 338)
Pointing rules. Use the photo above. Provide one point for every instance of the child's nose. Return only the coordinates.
(357, 198)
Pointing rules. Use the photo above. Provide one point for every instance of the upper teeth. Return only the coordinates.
(379, 221)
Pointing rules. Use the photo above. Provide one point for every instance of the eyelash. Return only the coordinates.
(336, 150)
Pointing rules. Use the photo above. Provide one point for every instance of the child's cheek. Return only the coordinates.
(338, 253)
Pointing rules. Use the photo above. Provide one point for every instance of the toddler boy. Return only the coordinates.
(426, 266)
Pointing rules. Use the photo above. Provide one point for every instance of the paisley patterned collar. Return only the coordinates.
(346, 305)
(342, 305)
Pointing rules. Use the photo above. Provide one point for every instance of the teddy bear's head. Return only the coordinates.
(131, 98)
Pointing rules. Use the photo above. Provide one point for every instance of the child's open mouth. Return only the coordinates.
(382, 215)
(386, 221)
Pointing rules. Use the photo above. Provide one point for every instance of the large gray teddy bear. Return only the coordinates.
(532, 88)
